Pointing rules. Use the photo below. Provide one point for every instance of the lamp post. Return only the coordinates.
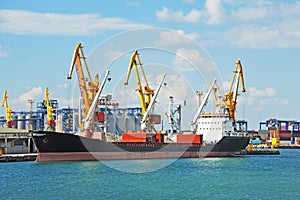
(199, 95)
(292, 124)
(30, 101)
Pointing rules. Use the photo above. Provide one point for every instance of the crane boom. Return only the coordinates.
(231, 96)
(8, 110)
(203, 102)
(76, 54)
(88, 118)
(89, 89)
(146, 115)
(76, 62)
(50, 119)
(145, 93)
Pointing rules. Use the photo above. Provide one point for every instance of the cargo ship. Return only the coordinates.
(55, 146)
(211, 134)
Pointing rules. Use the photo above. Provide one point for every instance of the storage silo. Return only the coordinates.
(58, 124)
(21, 121)
(138, 119)
(14, 118)
(120, 122)
(110, 123)
(130, 121)
(75, 121)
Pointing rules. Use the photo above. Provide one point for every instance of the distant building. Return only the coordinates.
(16, 141)
(287, 132)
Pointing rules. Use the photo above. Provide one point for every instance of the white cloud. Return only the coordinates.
(215, 11)
(271, 92)
(21, 102)
(133, 3)
(292, 9)
(167, 14)
(284, 35)
(250, 14)
(174, 37)
(226, 85)
(254, 96)
(290, 30)
(64, 85)
(268, 92)
(261, 100)
(274, 101)
(3, 53)
(277, 27)
(188, 1)
(246, 3)
(246, 100)
(112, 55)
(64, 103)
(193, 16)
(253, 36)
(191, 60)
(178, 87)
(27, 22)
(31, 94)
(253, 24)
(266, 24)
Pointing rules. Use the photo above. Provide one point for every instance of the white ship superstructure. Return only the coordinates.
(213, 126)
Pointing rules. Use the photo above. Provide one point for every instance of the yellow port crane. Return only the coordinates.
(145, 92)
(88, 89)
(8, 111)
(50, 118)
(231, 96)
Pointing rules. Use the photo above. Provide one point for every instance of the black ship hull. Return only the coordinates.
(55, 146)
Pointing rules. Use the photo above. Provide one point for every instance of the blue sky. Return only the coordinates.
(37, 39)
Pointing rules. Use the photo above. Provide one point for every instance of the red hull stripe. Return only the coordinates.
(84, 156)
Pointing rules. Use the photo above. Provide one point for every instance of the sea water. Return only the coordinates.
(245, 177)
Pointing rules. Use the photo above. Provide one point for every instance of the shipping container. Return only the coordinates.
(100, 116)
(189, 138)
(134, 137)
(160, 137)
(155, 119)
